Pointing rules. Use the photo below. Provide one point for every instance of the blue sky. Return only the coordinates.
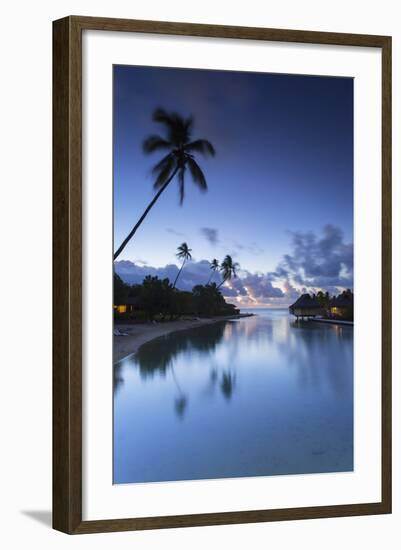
(280, 196)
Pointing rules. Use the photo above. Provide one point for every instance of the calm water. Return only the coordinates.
(255, 397)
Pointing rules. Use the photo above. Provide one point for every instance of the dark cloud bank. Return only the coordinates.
(325, 262)
(316, 262)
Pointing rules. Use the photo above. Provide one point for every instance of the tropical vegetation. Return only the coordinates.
(157, 298)
(214, 266)
(324, 305)
(180, 158)
(160, 298)
(184, 254)
(228, 269)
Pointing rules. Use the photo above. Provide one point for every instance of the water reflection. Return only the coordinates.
(180, 402)
(118, 379)
(227, 384)
(259, 396)
(157, 357)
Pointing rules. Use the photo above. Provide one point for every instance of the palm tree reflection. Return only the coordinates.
(180, 402)
(156, 357)
(159, 356)
(227, 384)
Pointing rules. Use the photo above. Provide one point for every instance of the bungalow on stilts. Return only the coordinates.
(307, 306)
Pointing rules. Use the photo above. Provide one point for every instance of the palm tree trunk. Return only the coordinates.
(210, 278)
(176, 381)
(178, 274)
(136, 226)
(222, 282)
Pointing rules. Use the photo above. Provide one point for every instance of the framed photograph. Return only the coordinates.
(222, 275)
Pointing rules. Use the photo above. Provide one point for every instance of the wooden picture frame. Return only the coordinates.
(67, 274)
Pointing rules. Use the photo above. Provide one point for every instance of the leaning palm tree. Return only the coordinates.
(214, 266)
(228, 269)
(184, 254)
(180, 155)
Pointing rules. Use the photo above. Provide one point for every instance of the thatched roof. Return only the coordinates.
(306, 301)
(346, 299)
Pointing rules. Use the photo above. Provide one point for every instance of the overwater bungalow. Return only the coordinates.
(342, 306)
(307, 306)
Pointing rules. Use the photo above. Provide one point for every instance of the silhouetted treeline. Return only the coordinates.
(157, 298)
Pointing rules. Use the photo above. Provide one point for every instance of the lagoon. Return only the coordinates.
(259, 396)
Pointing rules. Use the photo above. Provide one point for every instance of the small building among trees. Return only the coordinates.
(307, 306)
(339, 307)
(342, 306)
(128, 305)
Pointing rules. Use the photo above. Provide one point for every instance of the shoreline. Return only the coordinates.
(334, 322)
(135, 335)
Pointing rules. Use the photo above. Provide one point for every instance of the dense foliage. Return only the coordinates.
(158, 299)
(337, 307)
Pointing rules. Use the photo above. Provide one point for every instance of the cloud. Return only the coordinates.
(257, 286)
(174, 232)
(141, 262)
(253, 248)
(315, 262)
(229, 292)
(248, 287)
(194, 273)
(324, 261)
(210, 234)
(290, 294)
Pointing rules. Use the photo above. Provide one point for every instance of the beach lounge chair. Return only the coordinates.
(117, 332)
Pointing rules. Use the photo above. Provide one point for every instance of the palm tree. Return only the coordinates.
(214, 266)
(180, 156)
(228, 269)
(184, 254)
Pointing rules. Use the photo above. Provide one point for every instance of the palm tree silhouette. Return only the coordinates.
(180, 402)
(184, 253)
(228, 269)
(178, 142)
(214, 266)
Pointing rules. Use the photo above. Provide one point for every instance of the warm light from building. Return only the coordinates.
(121, 309)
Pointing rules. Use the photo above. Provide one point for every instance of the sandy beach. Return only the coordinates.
(138, 334)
